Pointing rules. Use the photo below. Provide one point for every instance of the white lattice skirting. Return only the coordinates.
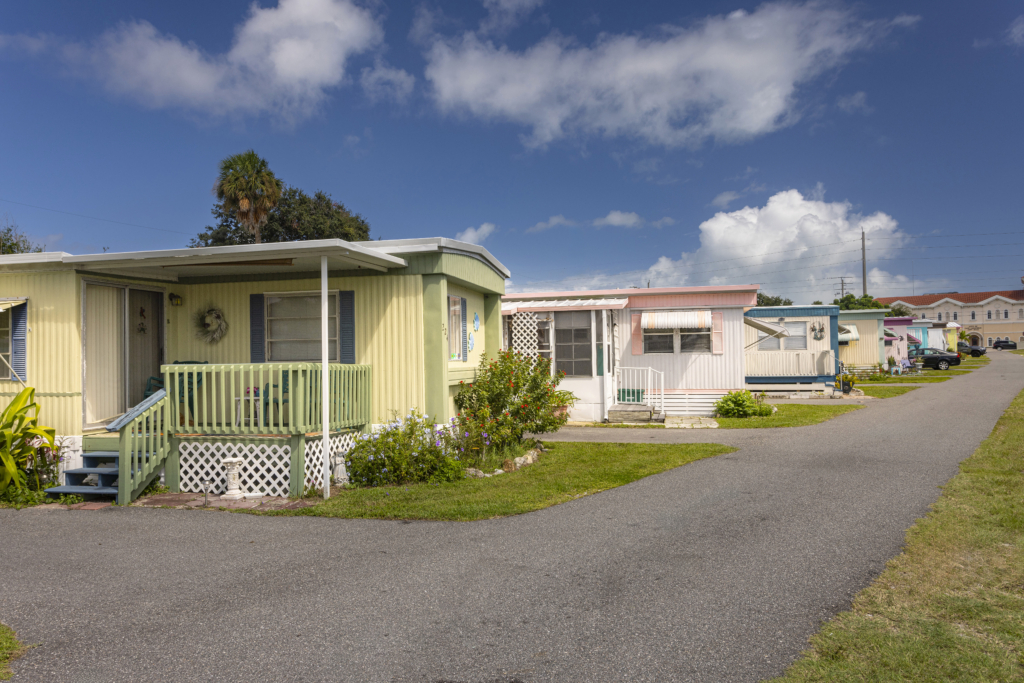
(524, 333)
(340, 445)
(266, 467)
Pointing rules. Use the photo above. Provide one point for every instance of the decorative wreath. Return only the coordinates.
(818, 331)
(210, 324)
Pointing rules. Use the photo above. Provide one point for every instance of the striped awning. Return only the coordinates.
(10, 303)
(848, 333)
(671, 320)
(912, 339)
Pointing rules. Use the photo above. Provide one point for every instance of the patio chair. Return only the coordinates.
(186, 390)
(284, 395)
(153, 385)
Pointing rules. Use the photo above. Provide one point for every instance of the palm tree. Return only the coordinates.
(247, 186)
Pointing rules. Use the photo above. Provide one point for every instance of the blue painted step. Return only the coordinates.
(84, 490)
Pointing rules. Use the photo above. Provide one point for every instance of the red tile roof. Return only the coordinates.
(962, 297)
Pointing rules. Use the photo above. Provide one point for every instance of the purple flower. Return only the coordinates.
(467, 433)
(485, 435)
(438, 443)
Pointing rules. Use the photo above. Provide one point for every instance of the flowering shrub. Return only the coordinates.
(404, 452)
(741, 404)
(512, 394)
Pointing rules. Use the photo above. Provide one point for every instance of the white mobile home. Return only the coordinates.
(675, 349)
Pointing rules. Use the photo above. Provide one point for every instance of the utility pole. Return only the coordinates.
(864, 261)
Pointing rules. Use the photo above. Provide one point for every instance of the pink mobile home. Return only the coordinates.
(674, 349)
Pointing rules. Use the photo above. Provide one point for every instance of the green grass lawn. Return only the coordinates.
(10, 649)
(886, 392)
(565, 472)
(791, 415)
(951, 606)
(923, 379)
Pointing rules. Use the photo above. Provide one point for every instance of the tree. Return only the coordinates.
(247, 187)
(296, 217)
(899, 311)
(852, 303)
(769, 300)
(816, 303)
(13, 240)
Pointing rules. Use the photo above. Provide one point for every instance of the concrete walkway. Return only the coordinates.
(716, 571)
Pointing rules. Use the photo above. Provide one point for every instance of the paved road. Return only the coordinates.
(717, 571)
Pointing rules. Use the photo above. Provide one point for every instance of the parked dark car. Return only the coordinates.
(974, 351)
(1004, 344)
(933, 358)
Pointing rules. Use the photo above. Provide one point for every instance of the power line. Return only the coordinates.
(94, 218)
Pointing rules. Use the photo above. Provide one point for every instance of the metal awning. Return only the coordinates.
(848, 332)
(671, 320)
(771, 329)
(912, 339)
(10, 303)
(513, 307)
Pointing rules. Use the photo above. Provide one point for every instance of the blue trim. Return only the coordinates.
(833, 330)
(791, 311)
(465, 350)
(794, 379)
(347, 326)
(257, 330)
(136, 411)
(19, 341)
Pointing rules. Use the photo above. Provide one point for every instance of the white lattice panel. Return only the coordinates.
(524, 333)
(266, 467)
(340, 445)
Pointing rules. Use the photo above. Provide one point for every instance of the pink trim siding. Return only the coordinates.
(692, 300)
(750, 290)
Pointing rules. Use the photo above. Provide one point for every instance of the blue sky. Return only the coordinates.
(586, 144)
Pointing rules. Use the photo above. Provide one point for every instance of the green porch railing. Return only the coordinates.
(250, 399)
(144, 443)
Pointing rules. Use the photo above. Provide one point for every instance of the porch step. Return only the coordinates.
(92, 470)
(83, 490)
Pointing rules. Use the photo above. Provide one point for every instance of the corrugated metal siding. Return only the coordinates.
(389, 330)
(866, 350)
(816, 359)
(466, 268)
(691, 370)
(54, 346)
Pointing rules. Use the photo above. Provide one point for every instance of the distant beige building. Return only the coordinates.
(984, 316)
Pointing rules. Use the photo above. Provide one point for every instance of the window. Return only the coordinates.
(5, 344)
(544, 323)
(455, 328)
(659, 341)
(572, 343)
(1020, 313)
(990, 341)
(973, 315)
(695, 340)
(954, 316)
(796, 341)
(293, 327)
(767, 343)
(940, 317)
(989, 314)
(1006, 314)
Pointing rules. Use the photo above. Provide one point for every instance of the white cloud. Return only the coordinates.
(792, 246)
(857, 103)
(620, 219)
(503, 15)
(477, 235)
(724, 199)
(731, 78)
(663, 222)
(22, 45)
(552, 222)
(1015, 34)
(383, 83)
(283, 60)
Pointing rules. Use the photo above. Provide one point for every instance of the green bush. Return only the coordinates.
(405, 452)
(21, 440)
(741, 404)
(513, 394)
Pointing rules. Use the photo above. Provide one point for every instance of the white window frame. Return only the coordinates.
(761, 336)
(940, 316)
(267, 296)
(954, 316)
(5, 368)
(673, 334)
(973, 315)
(455, 329)
(709, 334)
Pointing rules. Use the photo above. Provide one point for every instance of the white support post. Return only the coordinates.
(325, 383)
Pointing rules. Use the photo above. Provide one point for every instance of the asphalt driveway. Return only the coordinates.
(716, 571)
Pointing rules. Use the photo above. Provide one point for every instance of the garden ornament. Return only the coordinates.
(233, 469)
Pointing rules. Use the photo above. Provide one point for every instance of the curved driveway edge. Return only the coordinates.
(715, 571)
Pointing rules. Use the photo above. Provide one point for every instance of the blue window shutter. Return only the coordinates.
(465, 356)
(19, 337)
(257, 330)
(347, 325)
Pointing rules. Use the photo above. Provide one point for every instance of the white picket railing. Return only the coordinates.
(641, 386)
